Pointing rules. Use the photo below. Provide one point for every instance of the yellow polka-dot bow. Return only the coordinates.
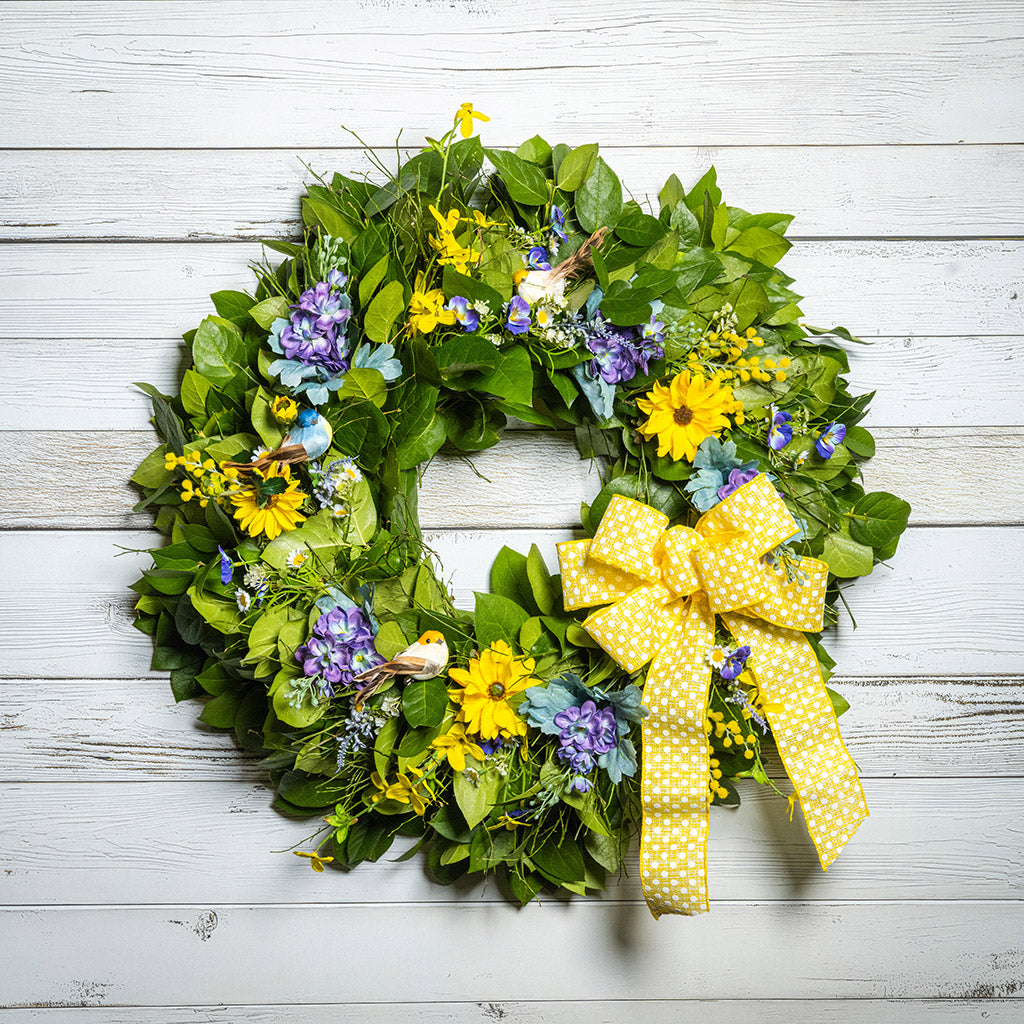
(663, 588)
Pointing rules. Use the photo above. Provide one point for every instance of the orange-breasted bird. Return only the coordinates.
(422, 660)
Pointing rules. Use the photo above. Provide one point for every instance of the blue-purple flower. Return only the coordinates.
(226, 568)
(655, 330)
(780, 433)
(613, 358)
(537, 258)
(827, 440)
(585, 731)
(325, 305)
(339, 648)
(728, 664)
(518, 318)
(737, 478)
(557, 225)
(465, 314)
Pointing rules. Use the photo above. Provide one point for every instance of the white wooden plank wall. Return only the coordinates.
(146, 149)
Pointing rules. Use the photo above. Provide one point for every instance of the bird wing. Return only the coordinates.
(401, 666)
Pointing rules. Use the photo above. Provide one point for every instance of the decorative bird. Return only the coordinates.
(308, 439)
(312, 431)
(538, 285)
(422, 660)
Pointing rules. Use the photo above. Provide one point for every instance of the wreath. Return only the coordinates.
(532, 737)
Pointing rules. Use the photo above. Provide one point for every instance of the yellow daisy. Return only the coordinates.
(685, 412)
(270, 503)
(486, 686)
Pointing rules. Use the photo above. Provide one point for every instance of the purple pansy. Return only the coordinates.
(780, 433)
(655, 330)
(518, 319)
(468, 317)
(558, 224)
(734, 663)
(827, 440)
(737, 478)
(226, 568)
(537, 258)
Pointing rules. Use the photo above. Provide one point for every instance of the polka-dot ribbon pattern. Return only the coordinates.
(643, 572)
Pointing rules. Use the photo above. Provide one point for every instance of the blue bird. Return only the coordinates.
(311, 431)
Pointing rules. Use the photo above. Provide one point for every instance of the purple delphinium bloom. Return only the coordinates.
(302, 340)
(226, 568)
(827, 440)
(585, 732)
(737, 478)
(580, 784)
(340, 647)
(518, 319)
(336, 279)
(325, 305)
(780, 433)
(558, 224)
(537, 258)
(646, 349)
(613, 358)
(655, 330)
(468, 317)
(734, 663)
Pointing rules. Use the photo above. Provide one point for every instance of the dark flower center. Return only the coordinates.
(682, 416)
(496, 690)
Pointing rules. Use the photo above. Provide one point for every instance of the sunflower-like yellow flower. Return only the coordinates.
(455, 745)
(426, 308)
(464, 119)
(685, 412)
(487, 684)
(269, 504)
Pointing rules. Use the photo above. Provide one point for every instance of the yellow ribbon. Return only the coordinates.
(663, 588)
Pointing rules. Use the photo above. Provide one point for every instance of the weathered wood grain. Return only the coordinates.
(949, 605)
(920, 382)
(595, 1011)
(121, 730)
(220, 842)
(211, 953)
(532, 479)
(140, 290)
(706, 74)
(213, 194)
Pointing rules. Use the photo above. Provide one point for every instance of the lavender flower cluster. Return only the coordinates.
(585, 731)
(619, 352)
(315, 334)
(339, 648)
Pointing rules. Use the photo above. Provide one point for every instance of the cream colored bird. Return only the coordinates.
(547, 285)
(422, 660)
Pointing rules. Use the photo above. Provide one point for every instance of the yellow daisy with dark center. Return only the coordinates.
(685, 412)
(269, 503)
(486, 687)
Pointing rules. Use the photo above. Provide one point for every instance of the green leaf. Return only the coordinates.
(470, 288)
(512, 378)
(860, 442)
(373, 277)
(561, 861)
(509, 576)
(576, 167)
(424, 702)
(151, 472)
(263, 421)
(525, 181)
(220, 613)
(384, 310)
(476, 794)
(269, 310)
(839, 702)
(232, 305)
(304, 714)
(365, 384)
(385, 744)
(221, 354)
(497, 618)
(540, 581)
(878, 517)
(846, 557)
(194, 389)
(536, 150)
(220, 711)
(760, 244)
(318, 212)
(599, 198)
(639, 228)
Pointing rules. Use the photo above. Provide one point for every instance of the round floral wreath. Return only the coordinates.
(296, 595)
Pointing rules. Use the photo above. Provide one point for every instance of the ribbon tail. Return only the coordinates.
(676, 798)
(806, 732)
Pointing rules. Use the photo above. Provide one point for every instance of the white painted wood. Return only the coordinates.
(703, 74)
(949, 605)
(219, 842)
(211, 953)
(532, 478)
(920, 382)
(595, 1011)
(121, 730)
(213, 194)
(140, 290)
